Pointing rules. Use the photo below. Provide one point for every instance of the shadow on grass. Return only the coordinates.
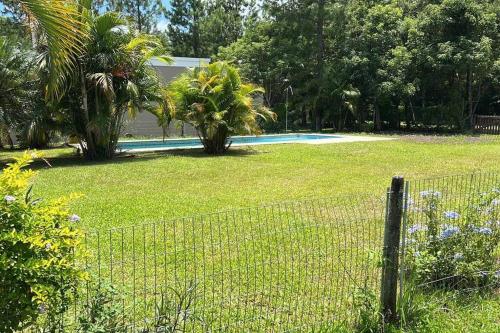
(67, 158)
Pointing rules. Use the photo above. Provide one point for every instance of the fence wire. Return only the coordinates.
(291, 266)
(451, 232)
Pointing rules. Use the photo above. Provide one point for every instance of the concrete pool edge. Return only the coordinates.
(335, 138)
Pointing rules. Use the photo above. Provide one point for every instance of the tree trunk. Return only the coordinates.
(139, 18)
(470, 103)
(217, 144)
(376, 118)
(196, 29)
(304, 116)
(89, 151)
(320, 36)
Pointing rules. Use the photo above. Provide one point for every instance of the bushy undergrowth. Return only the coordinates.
(103, 313)
(413, 312)
(456, 249)
(38, 268)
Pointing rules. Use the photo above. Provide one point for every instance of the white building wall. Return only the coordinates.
(146, 124)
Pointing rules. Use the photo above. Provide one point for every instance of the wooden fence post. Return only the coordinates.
(390, 256)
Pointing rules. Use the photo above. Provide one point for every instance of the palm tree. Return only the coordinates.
(13, 89)
(63, 33)
(218, 104)
(114, 79)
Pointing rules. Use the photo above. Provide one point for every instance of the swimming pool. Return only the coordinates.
(188, 143)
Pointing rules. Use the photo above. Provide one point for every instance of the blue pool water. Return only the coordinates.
(238, 140)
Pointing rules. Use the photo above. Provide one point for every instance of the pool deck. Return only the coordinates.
(336, 138)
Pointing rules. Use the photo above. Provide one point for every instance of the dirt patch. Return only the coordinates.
(459, 139)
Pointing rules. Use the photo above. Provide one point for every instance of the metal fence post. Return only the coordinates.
(390, 255)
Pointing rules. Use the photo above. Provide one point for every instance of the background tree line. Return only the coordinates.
(372, 64)
(341, 64)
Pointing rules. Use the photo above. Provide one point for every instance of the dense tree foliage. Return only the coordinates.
(199, 27)
(376, 64)
(55, 41)
(341, 64)
(143, 13)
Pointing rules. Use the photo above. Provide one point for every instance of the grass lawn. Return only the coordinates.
(152, 187)
(149, 187)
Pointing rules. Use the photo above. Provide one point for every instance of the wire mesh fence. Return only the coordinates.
(291, 266)
(451, 232)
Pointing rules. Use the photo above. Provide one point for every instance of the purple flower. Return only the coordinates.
(48, 246)
(495, 202)
(9, 198)
(484, 230)
(449, 231)
(451, 215)
(430, 193)
(75, 218)
(417, 227)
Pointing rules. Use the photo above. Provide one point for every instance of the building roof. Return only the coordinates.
(181, 62)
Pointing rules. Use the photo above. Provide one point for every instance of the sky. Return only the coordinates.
(162, 22)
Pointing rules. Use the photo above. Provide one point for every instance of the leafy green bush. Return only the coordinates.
(456, 249)
(38, 268)
(103, 313)
(216, 102)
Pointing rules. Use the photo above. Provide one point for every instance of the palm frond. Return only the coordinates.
(104, 81)
(65, 35)
(106, 22)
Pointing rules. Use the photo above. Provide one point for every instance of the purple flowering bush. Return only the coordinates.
(452, 248)
(38, 265)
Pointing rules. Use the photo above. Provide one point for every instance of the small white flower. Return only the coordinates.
(42, 308)
(48, 246)
(485, 231)
(9, 198)
(417, 227)
(458, 256)
(74, 218)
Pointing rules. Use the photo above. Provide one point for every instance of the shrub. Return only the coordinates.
(103, 314)
(456, 249)
(37, 251)
(217, 103)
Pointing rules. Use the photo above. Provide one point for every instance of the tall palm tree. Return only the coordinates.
(12, 86)
(218, 104)
(114, 79)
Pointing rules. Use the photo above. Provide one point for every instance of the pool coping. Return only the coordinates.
(335, 138)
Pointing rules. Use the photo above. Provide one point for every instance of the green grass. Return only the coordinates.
(469, 313)
(147, 187)
(129, 191)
